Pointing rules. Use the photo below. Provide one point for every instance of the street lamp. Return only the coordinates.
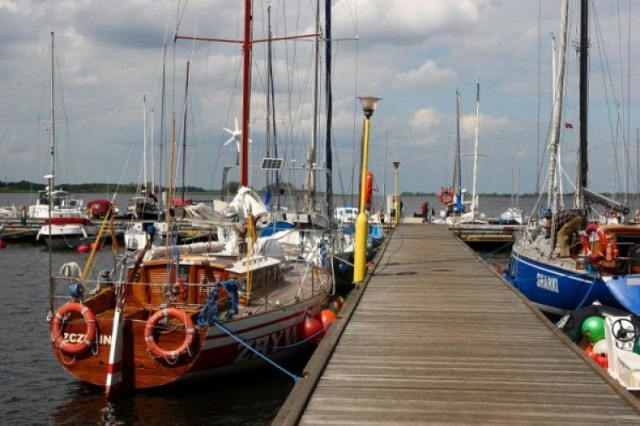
(396, 202)
(369, 104)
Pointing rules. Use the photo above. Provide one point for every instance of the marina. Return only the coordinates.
(199, 232)
(436, 335)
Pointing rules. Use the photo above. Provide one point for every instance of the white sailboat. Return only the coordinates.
(66, 224)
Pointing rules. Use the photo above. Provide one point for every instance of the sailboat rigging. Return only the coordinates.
(605, 260)
(191, 310)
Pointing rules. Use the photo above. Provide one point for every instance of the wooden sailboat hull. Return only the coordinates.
(212, 350)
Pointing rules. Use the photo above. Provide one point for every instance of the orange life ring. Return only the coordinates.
(586, 244)
(57, 336)
(368, 193)
(153, 320)
(446, 196)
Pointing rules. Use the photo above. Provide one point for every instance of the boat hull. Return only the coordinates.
(273, 334)
(556, 290)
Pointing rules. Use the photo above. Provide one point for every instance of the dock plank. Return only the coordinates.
(437, 336)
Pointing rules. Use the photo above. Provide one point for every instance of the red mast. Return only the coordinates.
(246, 95)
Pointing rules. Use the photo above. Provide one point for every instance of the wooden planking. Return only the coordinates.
(436, 336)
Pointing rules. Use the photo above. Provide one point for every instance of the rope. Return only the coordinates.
(243, 343)
(588, 293)
(498, 250)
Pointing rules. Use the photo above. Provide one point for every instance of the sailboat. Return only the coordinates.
(66, 223)
(604, 263)
(150, 323)
(462, 217)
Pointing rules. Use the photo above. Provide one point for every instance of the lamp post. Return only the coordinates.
(369, 104)
(396, 203)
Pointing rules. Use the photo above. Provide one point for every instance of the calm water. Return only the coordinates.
(34, 389)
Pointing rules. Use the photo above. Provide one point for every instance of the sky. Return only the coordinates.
(114, 60)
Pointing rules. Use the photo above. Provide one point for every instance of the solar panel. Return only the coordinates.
(272, 164)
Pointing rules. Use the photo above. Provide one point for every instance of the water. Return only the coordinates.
(34, 388)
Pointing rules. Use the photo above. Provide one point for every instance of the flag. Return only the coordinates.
(568, 126)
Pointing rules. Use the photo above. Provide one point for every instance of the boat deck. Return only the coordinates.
(435, 335)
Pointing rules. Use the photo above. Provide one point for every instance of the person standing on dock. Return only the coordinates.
(23, 215)
(425, 211)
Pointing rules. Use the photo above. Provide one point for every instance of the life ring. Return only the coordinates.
(153, 320)
(57, 336)
(586, 244)
(368, 192)
(446, 196)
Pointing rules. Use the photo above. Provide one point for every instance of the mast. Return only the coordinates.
(457, 169)
(475, 150)
(246, 94)
(162, 114)
(329, 99)
(184, 134)
(272, 146)
(52, 135)
(269, 88)
(556, 118)
(313, 146)
(144, 143)
(583, 167)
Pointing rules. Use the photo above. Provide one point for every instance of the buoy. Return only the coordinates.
(326, 317)
(343, 269)
(593, 329)
(311, 329)
(83, 249)
(600, 347)
(588, 351)
(335, 303)
(602, 361)
(2, 244)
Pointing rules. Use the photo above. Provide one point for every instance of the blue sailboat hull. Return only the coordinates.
(558, 291)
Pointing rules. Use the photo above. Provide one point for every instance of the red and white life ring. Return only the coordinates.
(446, 196)
(57, 325)
(586, 243)
(153, 320)
(368, 192)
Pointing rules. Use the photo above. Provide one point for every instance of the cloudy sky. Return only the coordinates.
(414, 54)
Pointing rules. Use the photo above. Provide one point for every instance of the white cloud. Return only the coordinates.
(428, 76)
(413, 54)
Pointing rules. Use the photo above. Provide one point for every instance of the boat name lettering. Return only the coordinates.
(267, 344)
(547, 283)
(79, 337)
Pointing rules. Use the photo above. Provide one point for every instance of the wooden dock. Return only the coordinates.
(435, 335)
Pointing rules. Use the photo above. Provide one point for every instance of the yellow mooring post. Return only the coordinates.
(369, 105)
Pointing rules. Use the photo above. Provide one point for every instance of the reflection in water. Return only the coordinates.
(250, 397)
